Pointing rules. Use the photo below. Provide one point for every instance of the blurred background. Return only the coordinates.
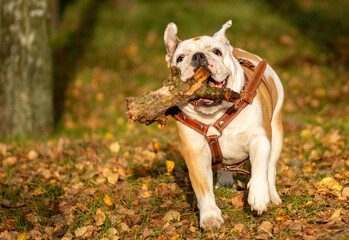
(104, 51)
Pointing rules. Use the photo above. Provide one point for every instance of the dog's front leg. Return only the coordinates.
(197, 156)
(258, 196)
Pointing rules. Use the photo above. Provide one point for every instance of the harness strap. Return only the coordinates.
(247, 95)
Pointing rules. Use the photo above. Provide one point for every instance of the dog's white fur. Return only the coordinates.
(246, 136)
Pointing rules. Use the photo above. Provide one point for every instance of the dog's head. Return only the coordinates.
(215, 52)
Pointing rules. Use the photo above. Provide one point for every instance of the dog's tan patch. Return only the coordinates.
(245, 55)
(265, 100)
(196, 38)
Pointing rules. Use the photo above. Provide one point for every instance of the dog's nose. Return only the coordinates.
(198, 58)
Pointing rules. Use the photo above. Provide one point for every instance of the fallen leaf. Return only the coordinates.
(305, 133)
(111, 177)
(108, 200)
(35, 234)
(170, 165)
(283, 218)
(193, 229)
(114, 147)
(238, 201)
(39, 191)
(332, 137)
(124, 227)
(295, 227)
(336, 214)
(10, 161)
(156, 147)
(23, 236)
(330, 183)
(172, 216)
(81, 231)
(99, 217)
(112, 231)
(263, 236)
(108, 136)
(145, 194)
(162, 190)
(32, 155)
(266, 226)
(240, 228)
(3, 149)
(345, 192)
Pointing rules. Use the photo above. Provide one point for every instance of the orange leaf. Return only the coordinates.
(108, 200)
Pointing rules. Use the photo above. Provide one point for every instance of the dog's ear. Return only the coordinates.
(171, 40)
(220, 35)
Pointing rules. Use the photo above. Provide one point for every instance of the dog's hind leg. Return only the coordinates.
(258, 196)
(276, 147)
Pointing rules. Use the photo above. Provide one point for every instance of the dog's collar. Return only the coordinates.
(248, 93)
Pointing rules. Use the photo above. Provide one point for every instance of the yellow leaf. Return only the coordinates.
(170, 165)
(39, 191)
(145, 194)
(305, 133)
(156, 147)
(283, 218)
(308, 169)
(108, 136)
(335, 215)
(175, 236)
(193, 229)
(23, 236)
(108, 200)
(330, 183)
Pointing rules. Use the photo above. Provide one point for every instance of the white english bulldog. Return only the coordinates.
(256, 133)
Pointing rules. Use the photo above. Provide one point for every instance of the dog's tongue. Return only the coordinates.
(202, 100)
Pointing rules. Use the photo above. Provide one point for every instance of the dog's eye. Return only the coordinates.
(180, 58)
(217, 52)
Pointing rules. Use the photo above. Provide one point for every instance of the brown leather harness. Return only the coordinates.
(247, 94)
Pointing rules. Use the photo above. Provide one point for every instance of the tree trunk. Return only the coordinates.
(25, 68)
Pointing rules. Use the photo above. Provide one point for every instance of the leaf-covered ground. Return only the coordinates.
(102, 178)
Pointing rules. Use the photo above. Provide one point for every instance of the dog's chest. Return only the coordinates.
(233, 146)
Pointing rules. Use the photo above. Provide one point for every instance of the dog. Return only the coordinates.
(256, 132)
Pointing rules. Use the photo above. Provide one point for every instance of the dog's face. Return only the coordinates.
(214, 52)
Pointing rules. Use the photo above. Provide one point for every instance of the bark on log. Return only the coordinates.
(156, 105)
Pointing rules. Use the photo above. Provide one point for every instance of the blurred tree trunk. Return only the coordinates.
(25, 68)
(55, 13)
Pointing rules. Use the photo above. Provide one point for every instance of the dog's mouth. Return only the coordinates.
(203, 102)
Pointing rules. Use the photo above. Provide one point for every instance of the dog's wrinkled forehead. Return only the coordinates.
(197, 44)
(202, 43)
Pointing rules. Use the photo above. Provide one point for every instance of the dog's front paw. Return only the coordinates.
(258, 196)
(211, 219)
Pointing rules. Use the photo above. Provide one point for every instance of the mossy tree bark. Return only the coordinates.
(25, 68)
